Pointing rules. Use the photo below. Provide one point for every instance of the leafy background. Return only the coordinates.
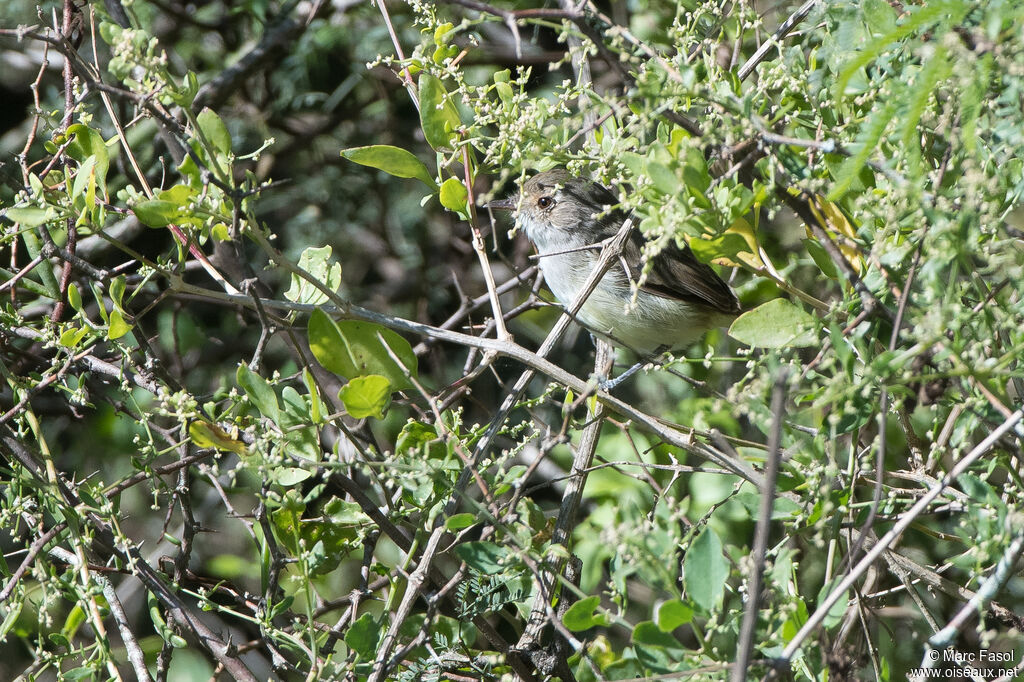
(178, 446)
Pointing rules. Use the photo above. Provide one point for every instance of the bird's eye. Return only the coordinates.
(545, 202)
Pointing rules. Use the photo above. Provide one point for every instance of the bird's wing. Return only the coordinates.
(676, 273)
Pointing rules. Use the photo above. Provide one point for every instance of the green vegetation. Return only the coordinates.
(279, 399)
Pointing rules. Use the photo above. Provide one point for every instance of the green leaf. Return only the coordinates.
(156, 212)
(13, 611)
(88, 142)
(315, 404)
(289, 476)
(30, 216)
(260, 392)
(705, 570)
(821, 258)
(662, 178)
(353, 349)
(880, 16)
(315, 261)
(726, 246)
(949, 12)
(782, 510)
(367, 396)
(460, 521)
(116, 290)
(672, 614)
(178, 194)
(838, 611)
(208, 435)
(422, 437)
(485, 557)
(74, 297)
(85, 179)
(391, 160)
(453, 195)
(867, 140)
(775, 324)
(362, 636)
(583, 615)
(345, 513)
(73, 621)
(648, 633)
(438, 116)
(214, 130)
(695, 173)
(118, 326)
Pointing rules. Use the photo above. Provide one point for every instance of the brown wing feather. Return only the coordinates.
(676, 273)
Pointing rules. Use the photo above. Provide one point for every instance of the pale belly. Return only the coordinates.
(648, 324)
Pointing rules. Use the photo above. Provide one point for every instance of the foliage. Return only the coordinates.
(272, 397)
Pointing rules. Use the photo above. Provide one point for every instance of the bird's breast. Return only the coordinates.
(645, 323)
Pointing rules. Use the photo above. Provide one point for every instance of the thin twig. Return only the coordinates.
(889, 538)
(761, 532)
(780, 33)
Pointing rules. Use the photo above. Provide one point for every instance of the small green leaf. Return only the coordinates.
(58, 639)
(367, 396)
(441, 33)
(438, 116)
(73, 336)
(116, 291)
(345, 513)
(260, 392)
(353, 349)
(648, 633)
(315, 404)
(362, 636)
(672, 614)
(821, 258)
(695, 172)
(867, 140)
(485, 557)
(662, 177)
(391, 160)
(156, 212)
(88, 142)
(30, 216)
(214, 130)
(178, 194)
(74, 297)
(74, 620)
(208, 435)
(726, 246)
(705, 570)
(118, 326)
(775, 324)
(838, 610)
(583, 615)
(880, 16)
(453, 195)
(460, 521)
(289, 476)
(85, 177)
(315, 261)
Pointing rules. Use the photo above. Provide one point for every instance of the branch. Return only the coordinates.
(889, 538)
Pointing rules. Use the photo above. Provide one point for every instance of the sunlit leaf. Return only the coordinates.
(705, 570)
(366, 396)
(391, 160)
(351, 348)
(775, 324)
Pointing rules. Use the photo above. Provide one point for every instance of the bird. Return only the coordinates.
(567, 218)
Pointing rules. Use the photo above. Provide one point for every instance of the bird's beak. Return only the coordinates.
(507, 204)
